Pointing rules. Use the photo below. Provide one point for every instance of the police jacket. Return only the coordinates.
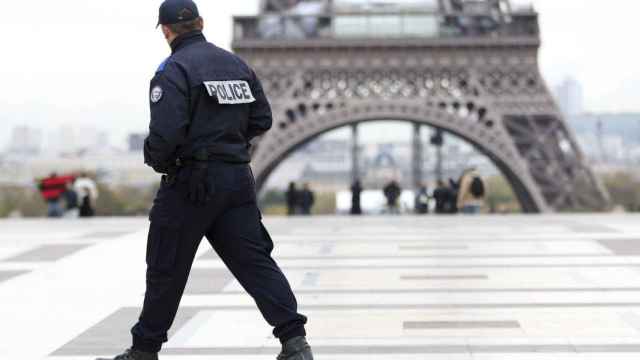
(203, 97)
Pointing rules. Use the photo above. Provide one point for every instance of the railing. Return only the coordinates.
(380, 26)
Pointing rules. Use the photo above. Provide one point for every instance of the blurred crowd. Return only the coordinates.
(69, 196)
(466, 195)
(299, 201)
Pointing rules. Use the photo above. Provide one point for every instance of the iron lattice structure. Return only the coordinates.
(479, 81)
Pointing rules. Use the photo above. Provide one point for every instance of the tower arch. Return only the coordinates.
(473, 72)
(268, 155)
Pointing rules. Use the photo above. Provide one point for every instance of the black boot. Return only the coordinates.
(296, 349)
(134, 355)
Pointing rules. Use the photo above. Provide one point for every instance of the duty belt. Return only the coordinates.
(200, 158)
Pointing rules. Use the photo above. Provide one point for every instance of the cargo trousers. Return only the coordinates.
(232, 223)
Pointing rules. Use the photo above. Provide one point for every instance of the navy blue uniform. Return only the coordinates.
(203, 97)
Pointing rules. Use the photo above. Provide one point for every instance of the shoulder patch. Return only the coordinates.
(156, 94)
(163, 65)
(230, 91)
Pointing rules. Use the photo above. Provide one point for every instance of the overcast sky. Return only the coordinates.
(89, 62)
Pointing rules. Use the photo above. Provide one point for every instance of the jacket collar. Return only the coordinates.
(186, 40)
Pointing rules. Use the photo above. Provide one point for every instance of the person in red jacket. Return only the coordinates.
(52, 189)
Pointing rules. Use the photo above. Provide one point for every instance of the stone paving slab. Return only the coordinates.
(51, 252)
(474, 288)
(7, 275)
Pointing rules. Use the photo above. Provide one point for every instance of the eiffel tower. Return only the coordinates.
(468, 68)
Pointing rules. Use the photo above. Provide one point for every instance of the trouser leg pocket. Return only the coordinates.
(162, 246)
(165, 230)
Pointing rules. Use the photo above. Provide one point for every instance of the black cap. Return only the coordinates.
(176, 11)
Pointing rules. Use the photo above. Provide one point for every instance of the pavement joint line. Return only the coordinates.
(395, 238)
(419, 243)
(484, 266)
(330, 266)
(447, 290)
(428, 247)
(209, 255)
(387, 349)
(449, 256)
(363, 306)
(583, 228)
(431, 325)
(443, 277)
(104, 235)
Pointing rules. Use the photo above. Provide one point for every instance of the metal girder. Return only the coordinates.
(490, 95)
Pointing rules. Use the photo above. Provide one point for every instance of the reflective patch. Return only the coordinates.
(163, 65)
(156, 94)
(230, 92)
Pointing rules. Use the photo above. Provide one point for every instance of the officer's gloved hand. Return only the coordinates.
(199, 191)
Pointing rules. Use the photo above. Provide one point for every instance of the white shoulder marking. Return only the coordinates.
(156, 94)
(230, 91)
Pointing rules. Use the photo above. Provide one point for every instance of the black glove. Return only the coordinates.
(199, 191)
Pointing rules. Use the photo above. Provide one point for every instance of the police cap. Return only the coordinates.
(177, 11)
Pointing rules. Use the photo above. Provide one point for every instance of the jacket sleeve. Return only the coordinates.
(169, 118)
(260, 117)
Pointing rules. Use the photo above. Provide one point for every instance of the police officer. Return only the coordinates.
(206, 106)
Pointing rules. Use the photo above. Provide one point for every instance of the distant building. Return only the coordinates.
(136, 142)
(112, 167)
(70, 139)
(102, 140)
(570, 97)
(326, 163)
(609, 138)
(25, 141)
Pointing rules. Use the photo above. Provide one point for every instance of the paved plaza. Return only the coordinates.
(399, 288)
